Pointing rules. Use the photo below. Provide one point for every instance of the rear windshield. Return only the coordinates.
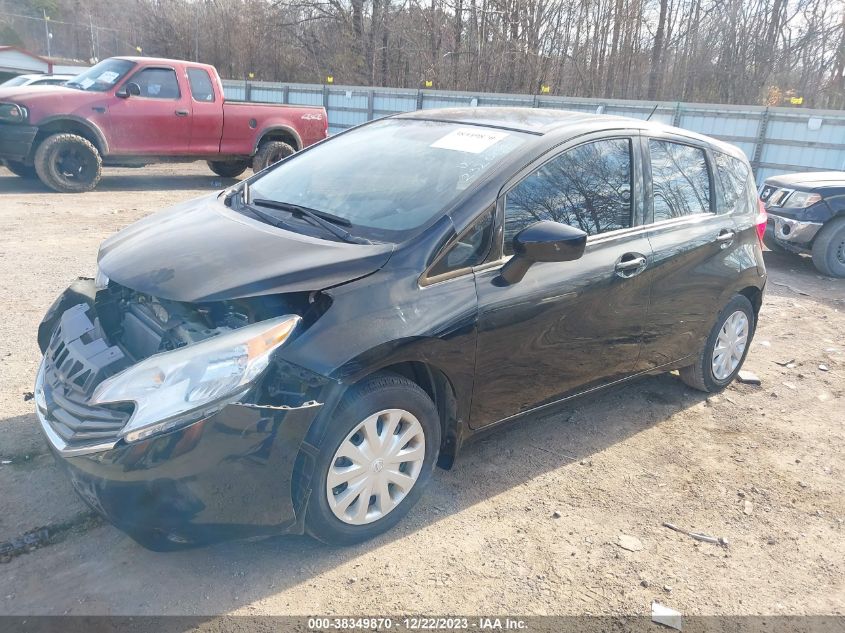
(391, 177)
(102, 76)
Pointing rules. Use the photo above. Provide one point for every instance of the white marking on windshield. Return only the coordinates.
(470, 140)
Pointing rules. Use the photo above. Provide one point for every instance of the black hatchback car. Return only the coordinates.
(297, 353)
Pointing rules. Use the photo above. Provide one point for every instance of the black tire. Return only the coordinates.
(228, 168)
(21, 169)
(700, 375)
(373, 394)
(269, 153)
(771, 243)
(829, 249)
(68, 163)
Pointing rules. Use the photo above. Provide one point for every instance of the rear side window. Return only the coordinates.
(201, 86)
(588, 187)
(157, 83)
(681, 180)
(733, 175)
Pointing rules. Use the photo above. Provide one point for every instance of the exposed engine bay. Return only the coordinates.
(141, 325)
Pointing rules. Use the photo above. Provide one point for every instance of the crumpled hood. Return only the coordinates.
(201, 250)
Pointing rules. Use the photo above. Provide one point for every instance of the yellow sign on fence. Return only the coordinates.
(545, 89)
(796, 100)
(429, 83)
(329, 79)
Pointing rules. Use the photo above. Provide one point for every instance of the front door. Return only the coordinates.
(567, 326)
(156, 122)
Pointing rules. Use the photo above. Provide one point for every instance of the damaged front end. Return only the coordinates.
(180, 419)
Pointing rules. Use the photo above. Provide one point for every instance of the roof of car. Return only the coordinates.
(159, 60)
(546, 120)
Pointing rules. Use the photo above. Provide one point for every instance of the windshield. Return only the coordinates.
(102, 76)
(15, 81)
(389, 178)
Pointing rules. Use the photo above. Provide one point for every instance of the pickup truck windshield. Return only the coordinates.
(102, 76)
(389, 178)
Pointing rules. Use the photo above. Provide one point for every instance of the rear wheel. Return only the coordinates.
(228, 168)
(829, 249)
(725, 349)
(269, 153)
(68, 163)
(376, 458)
(21, 169)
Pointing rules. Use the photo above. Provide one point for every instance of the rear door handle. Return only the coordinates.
(725, 236)
(631, 264)
(181, 113)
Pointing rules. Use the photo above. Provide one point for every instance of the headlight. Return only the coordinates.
(13, 113)
(199, 378)
(800, 200)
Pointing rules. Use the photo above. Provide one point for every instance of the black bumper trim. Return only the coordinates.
(16, 141)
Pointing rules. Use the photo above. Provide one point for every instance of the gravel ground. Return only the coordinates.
(528, 522)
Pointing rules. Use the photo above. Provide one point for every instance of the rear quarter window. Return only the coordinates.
(734, 180)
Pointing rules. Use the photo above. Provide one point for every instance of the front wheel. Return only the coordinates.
(228, 168)
(829, 249)
(68, 163)
(376, 458)
(725, 349)
(269, 153)
(21, 169)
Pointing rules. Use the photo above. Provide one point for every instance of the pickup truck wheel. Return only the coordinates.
(829, 249)
(21, 169)
(269, 153)
(68, 163)
(228, 168)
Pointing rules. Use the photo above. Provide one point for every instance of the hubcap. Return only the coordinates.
(730, 345)
(375, 467)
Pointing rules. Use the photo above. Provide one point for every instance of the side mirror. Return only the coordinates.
(543, 242)
(130, 88)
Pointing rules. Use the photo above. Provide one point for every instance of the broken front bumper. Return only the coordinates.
(240, 471)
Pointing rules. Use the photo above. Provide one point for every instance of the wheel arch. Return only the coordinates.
(755, 296)
(283, 133)
(71, 125)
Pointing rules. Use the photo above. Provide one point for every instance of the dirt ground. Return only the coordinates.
(529, 520)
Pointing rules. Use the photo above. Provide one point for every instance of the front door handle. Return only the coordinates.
(181, 113)
(631, 264)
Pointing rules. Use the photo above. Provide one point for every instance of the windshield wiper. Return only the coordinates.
(321, 218)
(73, 83)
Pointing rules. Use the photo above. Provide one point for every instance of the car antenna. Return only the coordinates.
(653, 110)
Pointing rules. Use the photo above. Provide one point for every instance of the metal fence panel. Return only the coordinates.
(776, 140)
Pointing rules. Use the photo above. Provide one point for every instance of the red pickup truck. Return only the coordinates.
(133, 111)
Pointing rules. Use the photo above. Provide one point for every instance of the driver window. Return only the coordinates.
(157, 83)
(588, 187)
(469, 250)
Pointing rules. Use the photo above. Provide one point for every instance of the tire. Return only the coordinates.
(771, 243)
(829, 249)
(228, 168)
(68, 163)
(701, 375)
(376, 401)
(21, 169)
(270, 152)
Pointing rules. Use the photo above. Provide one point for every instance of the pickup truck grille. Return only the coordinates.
(75, 362)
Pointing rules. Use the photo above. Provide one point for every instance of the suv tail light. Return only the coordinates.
(760, 221)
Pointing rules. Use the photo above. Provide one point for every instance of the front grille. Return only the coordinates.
(77, 359)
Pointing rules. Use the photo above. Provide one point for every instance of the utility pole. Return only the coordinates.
(47, 33)
(197, 32)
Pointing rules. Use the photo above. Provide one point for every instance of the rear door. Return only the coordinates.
(693, 245)
(566, 326)
(158, 121)
(207, 112)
